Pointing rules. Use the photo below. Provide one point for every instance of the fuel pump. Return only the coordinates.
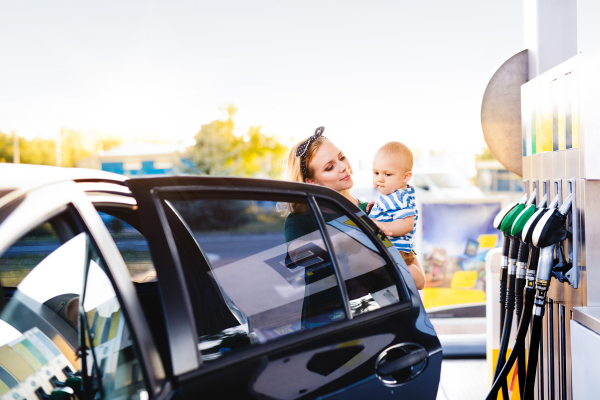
(553, 91)
(526, 223)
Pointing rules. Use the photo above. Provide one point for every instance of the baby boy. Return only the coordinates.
(395, 210)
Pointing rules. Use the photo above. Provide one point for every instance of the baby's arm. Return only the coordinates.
(399, 227)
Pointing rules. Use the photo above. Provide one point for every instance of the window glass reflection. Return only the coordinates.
(263, 273)
(366, 274)
(112, 362)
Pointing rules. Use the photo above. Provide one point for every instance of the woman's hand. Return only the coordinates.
(382, 227)
(370, 206)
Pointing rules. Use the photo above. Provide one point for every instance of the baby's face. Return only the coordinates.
(389, 175)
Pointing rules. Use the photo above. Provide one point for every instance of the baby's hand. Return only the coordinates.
(370, 206)
(382, 227)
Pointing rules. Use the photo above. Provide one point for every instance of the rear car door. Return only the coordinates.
(281, 290)
(72, 314)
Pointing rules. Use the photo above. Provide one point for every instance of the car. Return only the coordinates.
(430, 185)
(189, 287)
(440, 184)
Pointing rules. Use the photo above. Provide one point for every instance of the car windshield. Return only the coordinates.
(450, 181)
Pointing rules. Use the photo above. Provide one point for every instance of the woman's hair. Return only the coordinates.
(292, 170)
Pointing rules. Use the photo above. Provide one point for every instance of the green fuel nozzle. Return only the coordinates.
(510, 213)
(501, 216)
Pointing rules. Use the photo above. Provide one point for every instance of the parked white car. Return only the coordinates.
(429, 184)
(438, 184)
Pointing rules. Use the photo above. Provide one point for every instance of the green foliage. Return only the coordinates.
(6, 147)
(35, 151)
(219, 152)
(485, 155)
(43, 151)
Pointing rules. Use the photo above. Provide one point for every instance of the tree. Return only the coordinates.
(486, 154)
(35, 151)
(219, 152)
(43, 151)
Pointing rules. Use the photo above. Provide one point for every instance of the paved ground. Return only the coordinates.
(463, 380)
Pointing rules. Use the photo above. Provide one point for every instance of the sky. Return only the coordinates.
(369, 71)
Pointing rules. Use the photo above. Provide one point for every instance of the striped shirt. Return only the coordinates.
(398, 205)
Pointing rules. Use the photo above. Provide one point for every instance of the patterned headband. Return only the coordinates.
(303, 148)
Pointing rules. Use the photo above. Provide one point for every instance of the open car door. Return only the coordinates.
(283, 290)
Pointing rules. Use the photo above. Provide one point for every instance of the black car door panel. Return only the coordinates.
(308, 304)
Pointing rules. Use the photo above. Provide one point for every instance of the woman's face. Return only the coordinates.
(331, 168)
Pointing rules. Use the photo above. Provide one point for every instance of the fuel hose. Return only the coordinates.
(519, 344)
(509, 308)
(523, 324)
(519, 288)
(503, 278)
(542, 284)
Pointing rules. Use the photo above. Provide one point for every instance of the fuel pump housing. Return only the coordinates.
(560, 156)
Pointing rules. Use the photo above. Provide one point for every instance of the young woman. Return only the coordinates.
(318, 161)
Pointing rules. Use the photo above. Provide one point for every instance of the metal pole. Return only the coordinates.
(16, 153)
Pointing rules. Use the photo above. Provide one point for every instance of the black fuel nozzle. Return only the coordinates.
(552, 227)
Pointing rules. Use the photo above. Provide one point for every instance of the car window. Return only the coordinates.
(367, 276)
(265, 272)
(40, 324)
(133, 248)
(113, 362)
(26, 253)
(450, 181)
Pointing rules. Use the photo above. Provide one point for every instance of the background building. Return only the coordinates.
(136, 159)
(492, 178)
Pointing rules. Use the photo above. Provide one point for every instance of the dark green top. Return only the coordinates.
(363, 206)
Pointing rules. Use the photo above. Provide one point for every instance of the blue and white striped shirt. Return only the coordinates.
(397, 205)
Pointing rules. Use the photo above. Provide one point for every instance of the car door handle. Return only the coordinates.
(401, 363)
(411, 359)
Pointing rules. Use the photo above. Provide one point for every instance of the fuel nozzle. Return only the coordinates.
(512, 224)
(503, 222)
(505, 211)
(533, 221)
(551, 227)
(516, 229)
(525, 216)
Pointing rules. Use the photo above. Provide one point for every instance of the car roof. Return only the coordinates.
(18, 176)
(17, 179)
